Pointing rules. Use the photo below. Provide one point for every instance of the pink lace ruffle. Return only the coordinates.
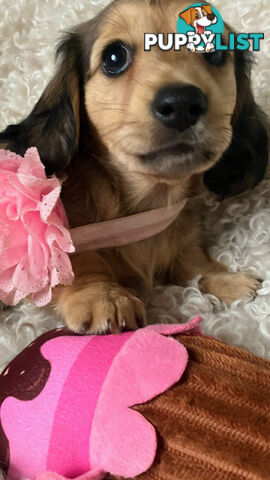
(34, 238)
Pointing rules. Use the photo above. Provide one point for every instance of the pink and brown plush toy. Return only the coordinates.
(140, 404)
(66, 402)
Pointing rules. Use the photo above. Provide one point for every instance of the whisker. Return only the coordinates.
(115, 128)
(139, 83)
(107, 109)
(105, 102)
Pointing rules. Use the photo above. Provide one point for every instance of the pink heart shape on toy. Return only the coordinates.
(122, 441)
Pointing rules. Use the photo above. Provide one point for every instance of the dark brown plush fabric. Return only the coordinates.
(215, 423)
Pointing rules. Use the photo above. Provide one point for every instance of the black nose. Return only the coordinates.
(179, 107)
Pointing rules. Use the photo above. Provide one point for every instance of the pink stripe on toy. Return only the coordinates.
(77, 403)
(93, 475)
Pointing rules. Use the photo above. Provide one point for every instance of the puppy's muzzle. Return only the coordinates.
(179, 107)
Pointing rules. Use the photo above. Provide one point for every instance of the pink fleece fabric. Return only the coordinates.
(123, 442)
(30, 423)
(86, 380)
(81, 425)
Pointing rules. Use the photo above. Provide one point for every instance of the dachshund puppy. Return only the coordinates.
(136, 130)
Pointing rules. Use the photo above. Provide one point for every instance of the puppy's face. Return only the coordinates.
(164, 114)
(161, 116)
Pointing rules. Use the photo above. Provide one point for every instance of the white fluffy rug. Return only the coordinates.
(239, 229)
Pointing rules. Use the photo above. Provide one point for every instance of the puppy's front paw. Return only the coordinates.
(229, 287)
(102, 307)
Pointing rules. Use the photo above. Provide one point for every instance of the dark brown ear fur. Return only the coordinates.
(243, 165)
(53, 126)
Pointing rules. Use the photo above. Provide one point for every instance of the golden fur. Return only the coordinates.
(106, 178)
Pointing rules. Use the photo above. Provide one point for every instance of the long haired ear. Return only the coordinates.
(53, 124)
(243, 165)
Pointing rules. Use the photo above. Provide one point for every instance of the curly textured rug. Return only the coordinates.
(238, 228)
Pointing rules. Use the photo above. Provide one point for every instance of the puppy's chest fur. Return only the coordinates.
(91, 194)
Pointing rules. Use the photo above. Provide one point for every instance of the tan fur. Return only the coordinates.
(108, 179)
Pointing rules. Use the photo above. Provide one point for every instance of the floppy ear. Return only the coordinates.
(186, 16)
(243, 164)
(53, 124)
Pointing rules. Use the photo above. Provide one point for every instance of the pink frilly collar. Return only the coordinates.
(35, 242)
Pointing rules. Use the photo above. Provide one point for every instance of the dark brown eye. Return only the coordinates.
(217, 58)
(116, 59)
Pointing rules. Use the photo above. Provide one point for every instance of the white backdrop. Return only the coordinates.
(238, 229)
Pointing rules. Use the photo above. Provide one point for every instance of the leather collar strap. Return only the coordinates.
(125, 230)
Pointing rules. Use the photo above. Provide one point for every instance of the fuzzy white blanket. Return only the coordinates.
(239, 229)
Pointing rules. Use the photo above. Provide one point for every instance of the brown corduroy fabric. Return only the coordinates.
(215, 423)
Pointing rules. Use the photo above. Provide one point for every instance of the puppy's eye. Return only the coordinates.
(197, 15)
(216, 58)
(116, 59)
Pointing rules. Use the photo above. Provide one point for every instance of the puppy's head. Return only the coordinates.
(166, 115)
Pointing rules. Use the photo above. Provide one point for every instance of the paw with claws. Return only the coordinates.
(230, 287)
(102, 307)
